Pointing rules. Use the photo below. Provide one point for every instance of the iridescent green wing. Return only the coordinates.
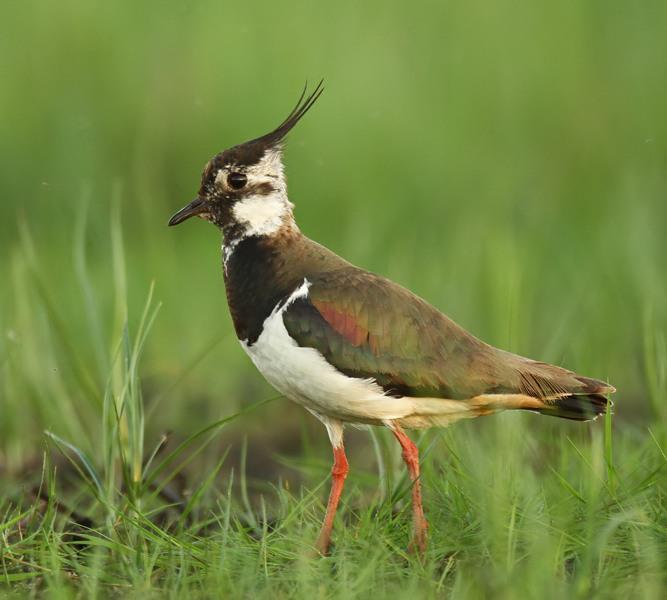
(367, 326)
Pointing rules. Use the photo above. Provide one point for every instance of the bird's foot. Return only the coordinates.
(419, 541)
(323, 543)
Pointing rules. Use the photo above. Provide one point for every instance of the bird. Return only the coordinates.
(351, 346)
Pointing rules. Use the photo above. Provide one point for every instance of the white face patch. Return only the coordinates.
(261, 215)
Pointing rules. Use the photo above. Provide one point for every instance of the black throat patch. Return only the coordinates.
(257, 278)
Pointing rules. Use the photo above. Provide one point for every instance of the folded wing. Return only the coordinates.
(369, 327)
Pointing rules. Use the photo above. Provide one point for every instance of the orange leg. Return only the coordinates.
(338, 475)
(411, 458)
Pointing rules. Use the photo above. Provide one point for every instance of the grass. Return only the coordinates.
(506, 162)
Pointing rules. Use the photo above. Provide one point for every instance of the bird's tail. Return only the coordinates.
(577, 407)
(564, 394)
(518, 383)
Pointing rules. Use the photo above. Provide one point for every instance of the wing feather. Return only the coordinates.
(369, 327)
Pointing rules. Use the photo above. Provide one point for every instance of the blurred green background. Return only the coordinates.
(505, 160)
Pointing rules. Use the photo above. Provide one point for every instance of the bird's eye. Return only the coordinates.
(236, 180)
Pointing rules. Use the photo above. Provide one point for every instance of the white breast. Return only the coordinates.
(303, 375)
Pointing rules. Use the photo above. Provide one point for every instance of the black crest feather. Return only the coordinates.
(249, 153)
(301, 108)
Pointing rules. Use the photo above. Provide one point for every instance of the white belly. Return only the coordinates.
(303, 375)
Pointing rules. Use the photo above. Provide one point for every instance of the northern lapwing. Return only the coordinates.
(349, 345)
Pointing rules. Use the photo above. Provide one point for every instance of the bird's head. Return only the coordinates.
(243, 189)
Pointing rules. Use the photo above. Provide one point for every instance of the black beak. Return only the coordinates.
(196, 207)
